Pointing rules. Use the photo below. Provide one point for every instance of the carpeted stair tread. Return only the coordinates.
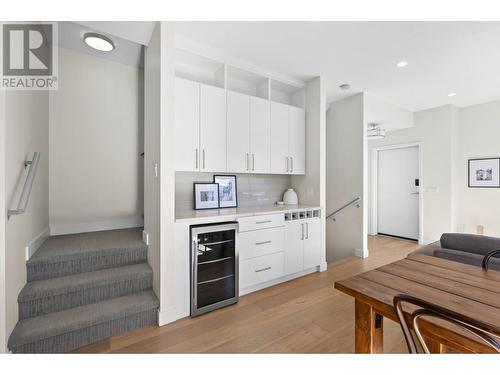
(73, 283)
(74, 246)
(64, 322)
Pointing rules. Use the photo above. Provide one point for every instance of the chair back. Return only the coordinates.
(427, 309)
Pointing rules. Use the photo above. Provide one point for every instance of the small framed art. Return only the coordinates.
(484, 173)
(228, 195)
(206, 195)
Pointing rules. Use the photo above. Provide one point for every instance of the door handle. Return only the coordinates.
(203, 158)
(263, 222)
(263, 243)
(286, 163)
(247, 161)
(291, 168)
(253, 162)
(302, 230)
(196, 150)
(307, 231)
(263, 269)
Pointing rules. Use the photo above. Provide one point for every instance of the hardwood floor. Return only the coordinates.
(305, 315)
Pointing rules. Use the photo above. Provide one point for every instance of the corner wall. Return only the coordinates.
(3, 304)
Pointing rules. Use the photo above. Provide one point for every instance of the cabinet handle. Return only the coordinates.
(307, 231)
(196, 150)
(263, 222)
(291, 163)
(302, 229)
(286, 163)
(263, 242)
(203, 158)
(253, 162)
(247, 162)
(263, 269)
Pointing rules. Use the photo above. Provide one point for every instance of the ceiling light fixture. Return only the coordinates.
(452, 94)
(375, 131)
(402, 64)
(345, 86)
(99, 42)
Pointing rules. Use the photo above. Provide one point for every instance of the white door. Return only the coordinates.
(297, 140)
(279, 138)
(238, 132)
(294, 247)
(260, 135)
(312, 243)
(187, 125)
(398, 193)
(212, 129)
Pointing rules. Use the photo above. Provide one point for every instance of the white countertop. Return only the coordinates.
(233, 213)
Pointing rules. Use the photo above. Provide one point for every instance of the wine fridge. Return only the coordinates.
(214, 266)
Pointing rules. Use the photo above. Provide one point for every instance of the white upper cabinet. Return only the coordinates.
(187, 125)
(238, 132)
(279, 138)
(212, 129)
(260, 135)
(297, 140)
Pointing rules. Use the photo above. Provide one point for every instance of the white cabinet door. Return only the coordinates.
(187, 125)
(294, 258)
(279, 138)
(212, 129)
(260, 135)
(312, 243)
(238, 132)
(297, 140)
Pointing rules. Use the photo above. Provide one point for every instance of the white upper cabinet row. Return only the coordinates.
(218, 130)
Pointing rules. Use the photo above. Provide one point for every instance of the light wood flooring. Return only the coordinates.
(305, 315)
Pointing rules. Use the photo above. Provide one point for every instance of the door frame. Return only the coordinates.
(374, 187)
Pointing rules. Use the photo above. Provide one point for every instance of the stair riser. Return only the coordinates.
(72, 340)
(43, 271)
(46, 305)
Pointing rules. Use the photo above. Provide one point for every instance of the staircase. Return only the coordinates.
(83, 288)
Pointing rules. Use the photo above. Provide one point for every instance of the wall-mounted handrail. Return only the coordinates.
(354, 202)
(25, 194)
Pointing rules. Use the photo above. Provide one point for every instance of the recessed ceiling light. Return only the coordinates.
(402, 64)
(99, 42)
(452, 94)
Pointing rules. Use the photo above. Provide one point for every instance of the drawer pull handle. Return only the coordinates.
(263, 242)
(263, 222)
(263, 269)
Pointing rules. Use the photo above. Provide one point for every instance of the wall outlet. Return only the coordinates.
(479, 229)
(145, 237)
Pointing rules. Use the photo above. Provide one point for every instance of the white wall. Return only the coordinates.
(477, 136)
(433, 129)
(96, 124)
(3, 304)
(388, 115)
(27, 130)
(345, 138)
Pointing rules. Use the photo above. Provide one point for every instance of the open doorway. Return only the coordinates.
(395, 191)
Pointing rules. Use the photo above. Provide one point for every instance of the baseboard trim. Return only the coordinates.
(168, 316)
(361, 253)
(323, 266)
(134, 222)
(426, 242)
(36, 242)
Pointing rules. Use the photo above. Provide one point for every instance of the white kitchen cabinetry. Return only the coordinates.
(187, 125)
(212, 129)
(287, 139)
(260, 135)
(302, 245)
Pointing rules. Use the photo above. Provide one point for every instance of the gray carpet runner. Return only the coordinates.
(83, 288)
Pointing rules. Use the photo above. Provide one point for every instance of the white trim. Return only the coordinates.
(373, 197)
(168, 316)
(361, 253)
(323, 266)
(36, 242)
(134, 222)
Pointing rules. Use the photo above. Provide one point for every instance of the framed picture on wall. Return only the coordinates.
(228, 195)
(484, 173)
(206, 195)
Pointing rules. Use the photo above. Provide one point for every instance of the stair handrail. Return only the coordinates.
(28, 184)
(354, 202)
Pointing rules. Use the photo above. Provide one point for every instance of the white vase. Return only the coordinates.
(290, 197)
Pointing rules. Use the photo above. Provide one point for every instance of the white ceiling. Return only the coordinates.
(443, 57)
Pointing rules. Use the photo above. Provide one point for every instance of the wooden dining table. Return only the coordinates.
(463, 288)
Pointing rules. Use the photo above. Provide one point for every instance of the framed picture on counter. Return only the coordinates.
(484, 173)
(206, 195)
(228, 195)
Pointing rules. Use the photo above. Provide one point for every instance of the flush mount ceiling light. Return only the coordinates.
(452, 94)
(375, 131)
(345, 86)
(402, 64)
(99, 42)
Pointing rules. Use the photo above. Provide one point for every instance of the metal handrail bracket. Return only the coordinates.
(355, 201)
(28, 184)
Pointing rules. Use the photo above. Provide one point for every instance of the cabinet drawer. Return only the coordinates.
(261, 269)
(261, 242)
(260, 222)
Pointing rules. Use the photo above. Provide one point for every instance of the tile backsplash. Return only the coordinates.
(253, 189)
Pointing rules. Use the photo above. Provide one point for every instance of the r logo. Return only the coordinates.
(27, 50)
